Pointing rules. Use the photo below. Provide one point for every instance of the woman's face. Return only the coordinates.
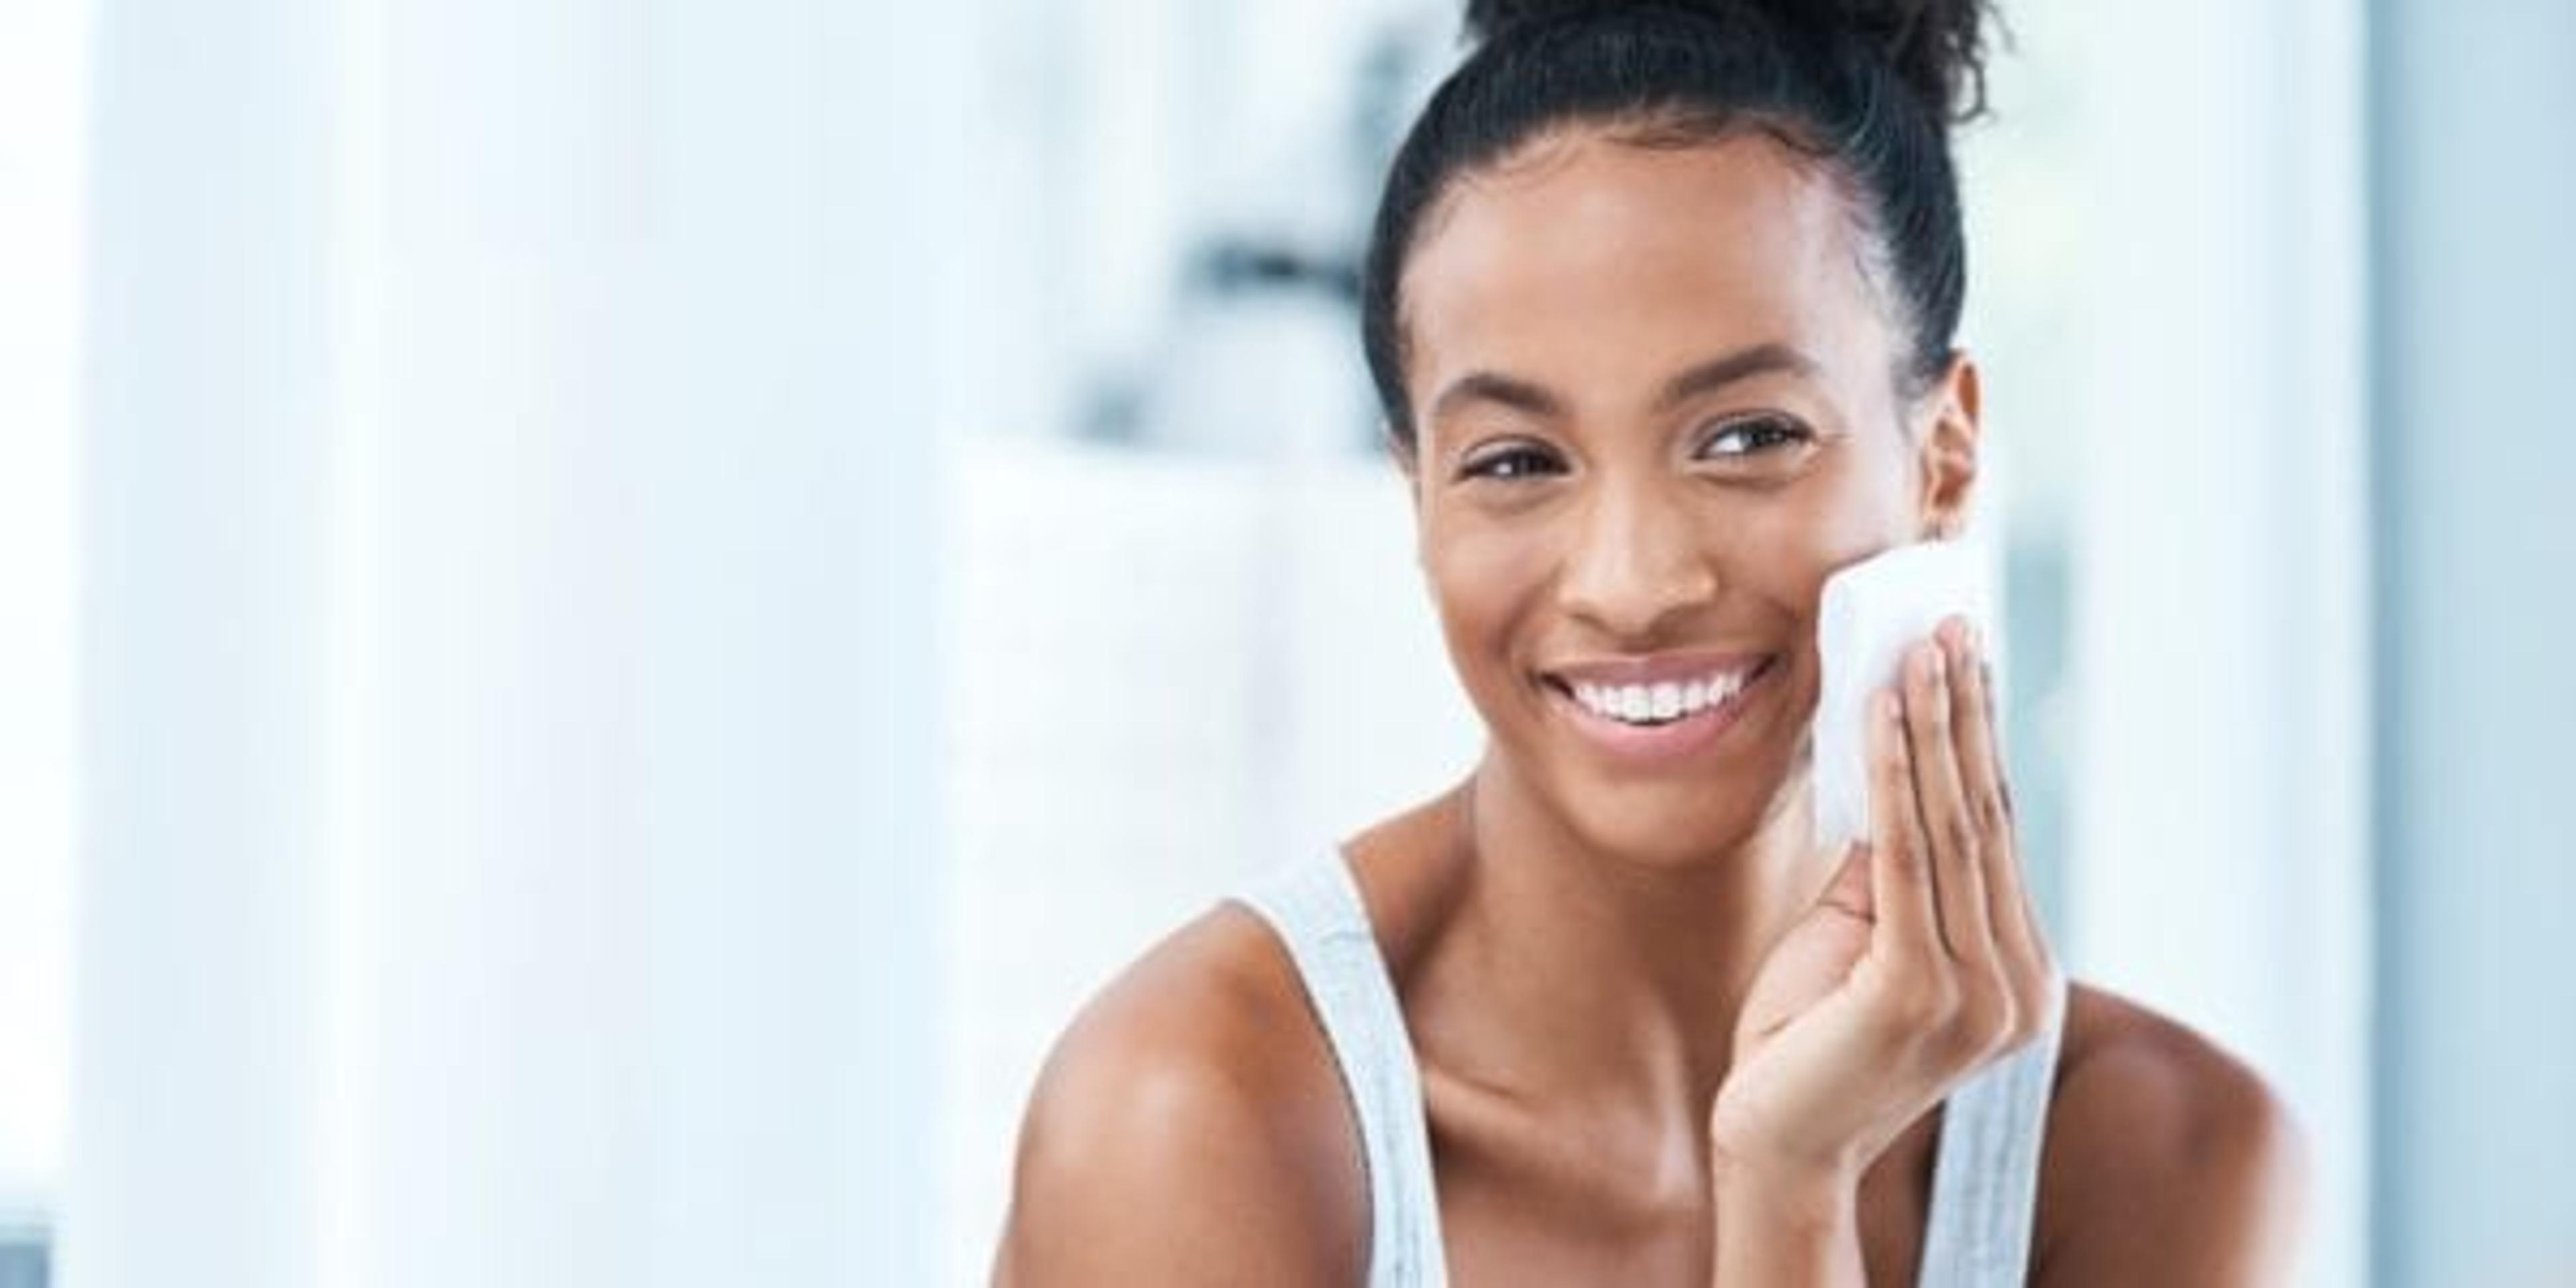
(1656, 404)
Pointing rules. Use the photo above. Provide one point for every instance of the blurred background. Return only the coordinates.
(610, 612)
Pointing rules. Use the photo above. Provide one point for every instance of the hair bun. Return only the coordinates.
(1937, 47)
(1489, 18)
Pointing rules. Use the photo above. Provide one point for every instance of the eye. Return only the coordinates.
(1507, 464)
(1755, 435)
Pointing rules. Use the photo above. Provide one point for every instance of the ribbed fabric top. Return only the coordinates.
(1984, 1182)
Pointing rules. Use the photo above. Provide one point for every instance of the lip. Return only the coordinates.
(1647, 746)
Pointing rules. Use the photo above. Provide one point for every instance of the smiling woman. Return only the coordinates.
(1710, 428)
(1660, 308)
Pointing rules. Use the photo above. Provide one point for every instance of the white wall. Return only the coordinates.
(2221, 857)
(43, 89)
(511, 845)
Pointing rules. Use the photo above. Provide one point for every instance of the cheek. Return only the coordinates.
(1854, 508)
(1786, 552)
(1484, 580)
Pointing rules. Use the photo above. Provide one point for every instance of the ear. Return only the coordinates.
(1946, 448)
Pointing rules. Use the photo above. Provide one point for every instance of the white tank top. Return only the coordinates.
(1984, 1181)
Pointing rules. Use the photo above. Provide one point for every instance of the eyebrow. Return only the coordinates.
(1743, 364)
(1706, 377)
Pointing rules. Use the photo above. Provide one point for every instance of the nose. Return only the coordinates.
(1637, 562)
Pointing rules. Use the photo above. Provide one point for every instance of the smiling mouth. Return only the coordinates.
(1656, 705)
(1667, 726)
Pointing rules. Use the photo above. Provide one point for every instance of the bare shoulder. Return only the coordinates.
(1189, 1126)
(2167, 1160)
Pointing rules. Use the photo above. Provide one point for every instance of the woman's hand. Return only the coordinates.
(1922, 960)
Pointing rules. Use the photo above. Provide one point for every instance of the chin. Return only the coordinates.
(1671, 816)
(1661, 824)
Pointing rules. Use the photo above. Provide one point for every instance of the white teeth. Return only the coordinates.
(1638, 703)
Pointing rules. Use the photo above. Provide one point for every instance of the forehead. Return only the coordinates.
(1589, 264)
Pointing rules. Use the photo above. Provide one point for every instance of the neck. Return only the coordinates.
(1608, 973)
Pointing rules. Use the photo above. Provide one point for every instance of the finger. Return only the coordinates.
(2024, 962)
(1956, 853)
(2026, 913)
(1900, 867)
(1981, 788)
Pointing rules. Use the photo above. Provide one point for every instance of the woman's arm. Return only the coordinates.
(2168, 1163)
(1188, 1128)
(1774, 1229)
(1147, 1175)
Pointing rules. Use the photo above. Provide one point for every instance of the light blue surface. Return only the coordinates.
(2475, 273)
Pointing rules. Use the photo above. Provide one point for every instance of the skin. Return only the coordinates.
(1663, 1037)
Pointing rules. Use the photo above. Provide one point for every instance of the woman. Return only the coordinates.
(1660, 305)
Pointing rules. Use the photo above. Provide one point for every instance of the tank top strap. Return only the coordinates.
(1314, 906)
(1985, 1182)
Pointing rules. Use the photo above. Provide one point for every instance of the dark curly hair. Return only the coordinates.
(1870, 88)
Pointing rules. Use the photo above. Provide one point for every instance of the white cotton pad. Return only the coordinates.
(1871, 613)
